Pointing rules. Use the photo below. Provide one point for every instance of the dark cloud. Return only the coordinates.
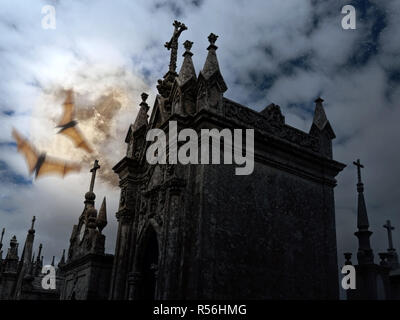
(8, 113)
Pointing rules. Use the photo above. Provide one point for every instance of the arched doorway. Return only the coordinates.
(149, 265)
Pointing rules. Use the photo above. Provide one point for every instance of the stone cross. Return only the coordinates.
(389, 228)
(359, 166)
(173, 44)
(93, 171)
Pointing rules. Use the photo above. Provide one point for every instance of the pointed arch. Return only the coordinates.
(146, 263)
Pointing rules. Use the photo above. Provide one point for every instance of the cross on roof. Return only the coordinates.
(93, 171)
(359, 166)
(173, 44)
(389, 229)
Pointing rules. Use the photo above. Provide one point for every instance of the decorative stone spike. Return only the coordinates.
(102, 217)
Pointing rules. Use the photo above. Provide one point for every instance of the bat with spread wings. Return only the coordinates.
(39, 163)
(69, 126)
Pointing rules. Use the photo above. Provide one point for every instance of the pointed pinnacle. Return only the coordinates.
(102, 217)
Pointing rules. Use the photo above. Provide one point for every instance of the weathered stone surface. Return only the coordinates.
(200, 231)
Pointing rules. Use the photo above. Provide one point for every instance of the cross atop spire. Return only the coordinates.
(93, 171)
(172, 44)
(389, 229)
(359, 166)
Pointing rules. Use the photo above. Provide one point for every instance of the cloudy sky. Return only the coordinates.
(285, 52)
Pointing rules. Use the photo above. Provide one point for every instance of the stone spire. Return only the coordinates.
(26, 258)
(52, 261)
(187, 71)
(365, 254)
(28, 247)
(141, 118)
(320, 119)
(40, 252)
(211, 85)
(322, 128)
(164, 86)
(102, 217)
(62, 260)
(211, 66)
(38, 264)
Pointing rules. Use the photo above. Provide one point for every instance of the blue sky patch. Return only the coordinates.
(8, 176)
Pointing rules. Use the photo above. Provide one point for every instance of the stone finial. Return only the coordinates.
(13, 241)
(91, 216)
(188, 45)
(144, 96)
(212, 38)
(52, 261)
(144, 104)
(347, 256)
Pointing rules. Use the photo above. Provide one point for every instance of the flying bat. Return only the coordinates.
(39, 163)
(69, 126)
